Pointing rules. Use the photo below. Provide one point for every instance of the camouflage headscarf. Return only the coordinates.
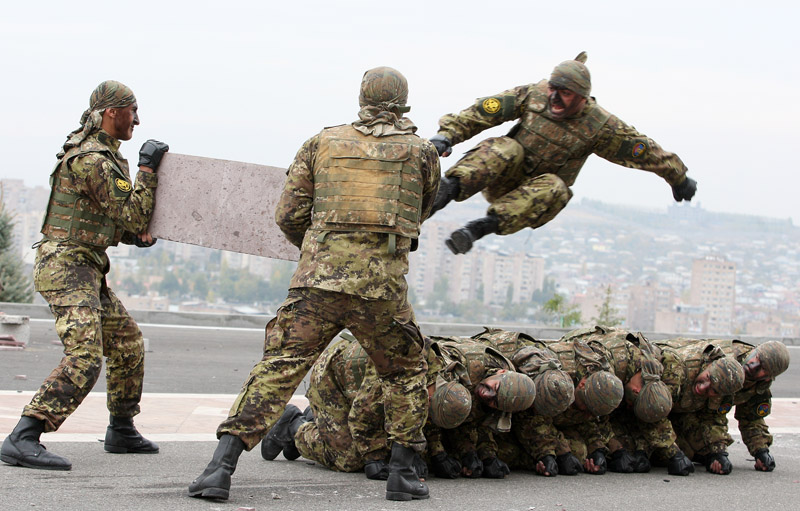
(109, 94)
(654, 401)
(602, 393)
(554, 392)
(573, 75)
(515, 392)
(727, 375)
(383, 96)
(774, 357)
(450, 404)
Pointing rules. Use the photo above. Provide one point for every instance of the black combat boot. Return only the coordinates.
(22, 448)
(403, 483)
(215, 481)
(449, 188)
(281, 436)
(122, 438)
(460, 241)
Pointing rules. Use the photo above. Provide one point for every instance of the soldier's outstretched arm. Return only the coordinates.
(293, 212)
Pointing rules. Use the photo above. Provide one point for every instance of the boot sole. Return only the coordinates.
(211, 493)
(114, 449)
(15, 461)
(402, 496)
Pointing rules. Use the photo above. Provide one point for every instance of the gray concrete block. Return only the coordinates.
(19, 327)
(220, 204)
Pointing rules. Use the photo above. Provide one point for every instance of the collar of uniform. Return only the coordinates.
(106, 140)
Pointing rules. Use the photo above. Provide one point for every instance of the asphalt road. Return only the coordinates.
(216, 361)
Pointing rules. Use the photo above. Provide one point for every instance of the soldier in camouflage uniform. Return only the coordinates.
(346, 438)
(93, 205)
(527, 174)
(699, 374)
(498, 391)
(353, 202)
(705, 432)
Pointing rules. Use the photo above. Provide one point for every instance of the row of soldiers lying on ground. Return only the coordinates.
(598, 399)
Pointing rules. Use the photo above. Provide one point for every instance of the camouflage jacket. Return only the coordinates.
(356, 263)
(615, 141)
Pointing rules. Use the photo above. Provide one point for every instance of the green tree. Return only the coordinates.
(15, 284)
(606, 314)
(565, 315)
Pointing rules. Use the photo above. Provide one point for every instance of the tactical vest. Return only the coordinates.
(505, 341)
(557, 147)
(70, 215)
(473, 356)
(734, 348)
(692, 353)
(367, 184)
(613, 341)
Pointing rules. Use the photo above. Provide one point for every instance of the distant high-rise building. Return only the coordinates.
(714, 288)
(643, 303)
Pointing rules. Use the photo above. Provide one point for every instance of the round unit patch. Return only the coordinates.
(491, 105)
(762, 410)
(638, 149)
(724, 408)
(122, 185)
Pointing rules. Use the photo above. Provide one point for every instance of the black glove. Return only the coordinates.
(722, 457)
(641, 462)
(680, 465)
(471, 462)
(420, 467)
(446, 467)
(599, 459)
(377, 470)
(494, 468)
(568, 464)
(550, 465)
(622, 461)
(151, 152)
(766, 458)
(449, 188)
(139, 242)
(441, 143)
(684, 190)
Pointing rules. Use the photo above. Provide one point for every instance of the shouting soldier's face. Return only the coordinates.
(563, 103)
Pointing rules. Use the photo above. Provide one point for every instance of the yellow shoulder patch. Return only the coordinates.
(491, 105)
(122, 185)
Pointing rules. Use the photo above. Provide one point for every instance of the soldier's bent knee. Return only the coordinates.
(506, 148)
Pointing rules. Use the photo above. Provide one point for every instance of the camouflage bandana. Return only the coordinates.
(383, 95)
(654, 401)
(573, 75)
(515, 393)
(109, 94)
(555, 392)
(727, 376)
(602, 393)
(774, 357)
(450, 404)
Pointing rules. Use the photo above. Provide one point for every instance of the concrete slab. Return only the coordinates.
(15, 327)
(220, 204)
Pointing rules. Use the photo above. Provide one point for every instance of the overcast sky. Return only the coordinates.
(712, 81)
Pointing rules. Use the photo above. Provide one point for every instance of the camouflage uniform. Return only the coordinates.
(695, 419)
(351, 272)
(527, 174)
(346, 397)
(93, 205)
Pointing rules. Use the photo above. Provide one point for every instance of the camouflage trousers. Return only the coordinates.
(328, 439)
(88, 334)
(700, 433)
(495, 167)
(634, 435)
(306, 322)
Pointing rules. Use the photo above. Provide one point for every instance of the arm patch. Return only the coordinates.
(633, 149)
(763, 409)
(496, 106)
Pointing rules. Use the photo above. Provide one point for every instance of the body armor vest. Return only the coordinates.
(367, 184)
(473, 356)
(557, 147)
(505, 341)
(694, 359)
(70, 215)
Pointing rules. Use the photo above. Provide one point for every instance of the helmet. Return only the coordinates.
(450, 404)
(654, 402)
(573, 75)
(515, 392)
(384, 86)
(602, 392)
(727, 375)
(774, 357)
(554, 392)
